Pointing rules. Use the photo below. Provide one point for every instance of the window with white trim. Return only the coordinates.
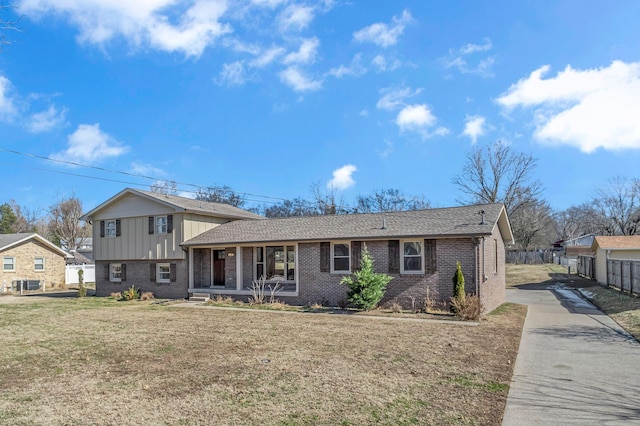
(275, 263)
(115, 272)
(412, 257)
(341, 258)
(110, 228)
(8, 263)
(38, 264)
(163, 273)
(161, 225)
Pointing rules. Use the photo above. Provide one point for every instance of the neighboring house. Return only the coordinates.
(622, 247)
(83, 254)
(219, 249)
(308, 256)
(30, 257)
(137, 236)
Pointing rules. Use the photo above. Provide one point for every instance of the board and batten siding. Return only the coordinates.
(135, 242)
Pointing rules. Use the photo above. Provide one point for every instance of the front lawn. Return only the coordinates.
(98, 361)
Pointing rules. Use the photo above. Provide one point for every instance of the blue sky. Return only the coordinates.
(272, 96)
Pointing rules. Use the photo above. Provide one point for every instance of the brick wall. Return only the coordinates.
(492, 290)
(25, 254)
(138, 275)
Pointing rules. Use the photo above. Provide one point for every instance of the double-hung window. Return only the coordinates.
(110, 228)
(161, 224)
(38, 264)
(8, 263)
(412, 261)
(340, 258)
(115, 272)
(163, 273)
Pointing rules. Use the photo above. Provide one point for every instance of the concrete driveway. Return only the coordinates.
(575, 364)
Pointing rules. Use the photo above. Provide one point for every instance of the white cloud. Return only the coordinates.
(460, 59)
(8, 109)
(381, 64)
(474, 127)
(88, 144)
(298, 81)
(354, 69)
(342, 177)
(268, 3)
(144, 169)
(306, 53)
(46, 120)
(295, 18)
(387, 151)
(159, 24)
(418, 118)
(393, 98)
(267, 57)
(232, 74)
(587, 109)
(382, 34)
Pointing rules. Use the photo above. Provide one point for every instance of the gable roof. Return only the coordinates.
(433, 223)
(179, 204)
(10, 240)
(616, 242)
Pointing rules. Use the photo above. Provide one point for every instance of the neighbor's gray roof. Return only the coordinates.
(9, 240)
(441, 222)
(182, 203)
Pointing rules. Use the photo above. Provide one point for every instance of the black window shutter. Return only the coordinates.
(430, 260)
(394, 256)
(117, 227)
(356, 254)
(152, 271)
(123, 272)
(102, 228)
(172, 272)
(150, 225)
(324, 256)
(106, 271)
(169, 224)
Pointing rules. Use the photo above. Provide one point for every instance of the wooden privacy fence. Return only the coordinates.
(624, 275)
(586, 266)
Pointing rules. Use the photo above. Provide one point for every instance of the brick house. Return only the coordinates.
(308, 256)
(174, 247)
(136, 238)
(30, 258)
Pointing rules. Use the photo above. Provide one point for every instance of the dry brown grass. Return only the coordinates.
(517, 275)
(99, 361)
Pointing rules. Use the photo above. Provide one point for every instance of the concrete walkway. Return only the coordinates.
(575, 364)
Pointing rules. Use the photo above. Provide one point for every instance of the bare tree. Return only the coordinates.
(290, 208)
(387, 200)
(220, 194)
(26, 220)
(164, 187)
(617, 207)
(496, 174)
(64, 227)
(328, 202)
(532, 226)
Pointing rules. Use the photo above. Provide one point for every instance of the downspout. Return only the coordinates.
(476, 260)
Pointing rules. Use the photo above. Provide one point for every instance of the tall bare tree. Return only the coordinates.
(26, 220)
(532, 226)
(220, 194)
(164, 187)
(388, 200)
(65, 228)
(497, 174)
(617, 207)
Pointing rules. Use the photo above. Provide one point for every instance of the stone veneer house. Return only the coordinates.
(174, 247)
(31, 257)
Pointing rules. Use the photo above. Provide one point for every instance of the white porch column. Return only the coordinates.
(190, 268)
(239, 279)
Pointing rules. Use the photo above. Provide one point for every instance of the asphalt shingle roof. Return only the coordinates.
(8, 239)
(441, 222)
(617, 242)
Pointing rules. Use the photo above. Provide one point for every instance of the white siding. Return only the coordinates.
(195, 224)
(131, 206)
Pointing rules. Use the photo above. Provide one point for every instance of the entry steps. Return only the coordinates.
(199, 297)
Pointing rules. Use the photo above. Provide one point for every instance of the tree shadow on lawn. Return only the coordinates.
(569, 280)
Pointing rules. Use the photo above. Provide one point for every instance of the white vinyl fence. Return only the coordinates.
(71, 274)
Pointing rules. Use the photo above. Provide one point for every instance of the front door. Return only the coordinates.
(218, 267)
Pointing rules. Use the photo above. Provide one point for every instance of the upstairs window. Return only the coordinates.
(161, 224)
(110, 230)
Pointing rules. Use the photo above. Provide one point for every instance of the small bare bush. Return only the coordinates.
(316, 306)
(395, 307)
(469, 308)
(429, 303)
(147, 295)
(260, 289)
(116, 295)
(219, 298)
